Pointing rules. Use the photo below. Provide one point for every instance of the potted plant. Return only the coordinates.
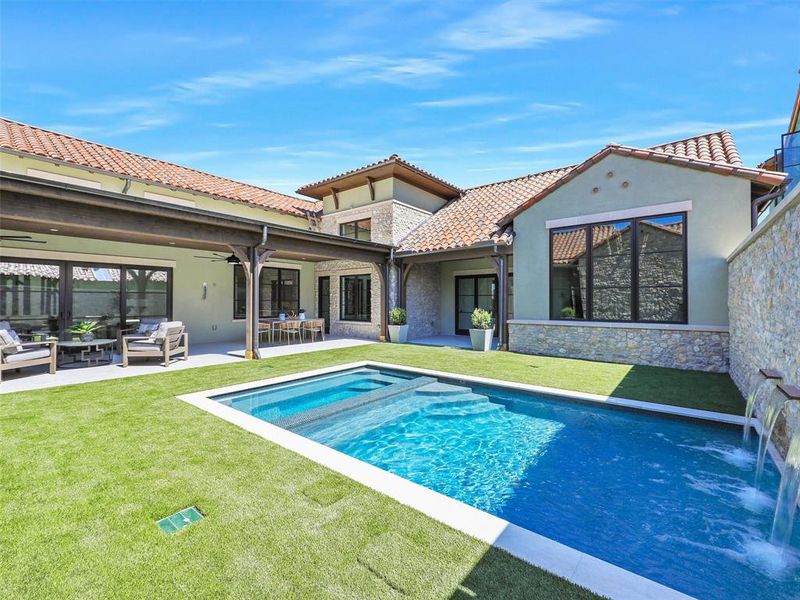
(398, 325)
(482, 330)
(85, 330)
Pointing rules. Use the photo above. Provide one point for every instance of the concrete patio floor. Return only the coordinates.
(200, 355)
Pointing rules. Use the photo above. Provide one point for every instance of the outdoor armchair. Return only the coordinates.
(169, 339)
(16, 354)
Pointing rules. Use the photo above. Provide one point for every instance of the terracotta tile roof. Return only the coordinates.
(715, 147)
(472, 218)
(483, 214)
(441, 187)
(35, 141)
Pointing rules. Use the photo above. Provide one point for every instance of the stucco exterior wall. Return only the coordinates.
(764, 289)
(389, 188)
(719, 219)
(447, 300)
(208, 319)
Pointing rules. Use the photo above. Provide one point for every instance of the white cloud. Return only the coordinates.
(473, 100)
(542, 107)
(660, 134)
(521, 24)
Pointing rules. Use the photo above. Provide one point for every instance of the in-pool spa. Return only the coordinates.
(671, 499)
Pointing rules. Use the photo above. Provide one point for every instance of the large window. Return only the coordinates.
(356, 298)
(357, 230)
(49, 297)
(632, 270)
(279, 292)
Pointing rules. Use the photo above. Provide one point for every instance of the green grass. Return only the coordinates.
(87, 470)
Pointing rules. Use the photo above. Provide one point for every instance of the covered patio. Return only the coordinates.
(55, 211)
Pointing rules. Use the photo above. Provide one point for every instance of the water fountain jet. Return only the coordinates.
(789, 490)
(763, 379)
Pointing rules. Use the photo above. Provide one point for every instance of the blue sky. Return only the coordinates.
(284, 93)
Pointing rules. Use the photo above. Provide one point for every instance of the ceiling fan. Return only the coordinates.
(217, 257)
(20, 238)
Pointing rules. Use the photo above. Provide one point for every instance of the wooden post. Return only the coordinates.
(404, 272)
(252, 260)
(383, 276)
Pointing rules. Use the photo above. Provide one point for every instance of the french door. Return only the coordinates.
(49, 297)
(474, 291)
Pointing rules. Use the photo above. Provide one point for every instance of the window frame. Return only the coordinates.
(356, 229)
(361, 277)
(634, 308)
(65, 284)
(279, 300)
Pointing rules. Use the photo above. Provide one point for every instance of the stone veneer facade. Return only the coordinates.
(764, 302)
(423, 292)
(674, 346)
(391, 221)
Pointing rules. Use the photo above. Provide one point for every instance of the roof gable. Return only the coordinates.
(393, 166)
(662, 156)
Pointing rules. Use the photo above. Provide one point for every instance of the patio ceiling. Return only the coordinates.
(38, 206)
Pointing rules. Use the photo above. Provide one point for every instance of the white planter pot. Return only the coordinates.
(481, 339)
(398, 334)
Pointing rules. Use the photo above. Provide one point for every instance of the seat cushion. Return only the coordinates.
(148, 325)
(146, 345)
(8, 342)
(160, 333)
(26, 355)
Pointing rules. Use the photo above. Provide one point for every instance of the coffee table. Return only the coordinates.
(86, 354)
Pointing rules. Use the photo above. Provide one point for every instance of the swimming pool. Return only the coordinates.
(667, 498)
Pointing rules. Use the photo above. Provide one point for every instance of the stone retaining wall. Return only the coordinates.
(680, 347)
(764, 300)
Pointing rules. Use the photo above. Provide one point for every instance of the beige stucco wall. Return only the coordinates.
(449, 271)
(207, 320)
(718, 221)
(389, 188)
(16, 164)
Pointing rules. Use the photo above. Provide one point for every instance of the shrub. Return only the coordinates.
(398, 316)
(481, 319)
(568, 312)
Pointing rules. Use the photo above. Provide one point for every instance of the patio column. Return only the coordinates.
(501, 262)
(383, 275)
(252, 259)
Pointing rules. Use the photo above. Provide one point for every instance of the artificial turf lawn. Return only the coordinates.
(87, 470)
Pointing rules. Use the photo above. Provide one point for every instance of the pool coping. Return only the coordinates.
(583, 569)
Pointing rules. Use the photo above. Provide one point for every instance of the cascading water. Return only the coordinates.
(788, 495)
(769, 418)
(761, 382)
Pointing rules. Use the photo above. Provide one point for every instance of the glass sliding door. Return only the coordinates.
(94, 295)
(30, 296)
(147, 294)
(474, 291)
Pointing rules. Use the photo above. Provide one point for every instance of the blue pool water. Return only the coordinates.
(670, 499)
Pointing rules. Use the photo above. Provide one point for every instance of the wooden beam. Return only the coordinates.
(315, 250)
(109, 223)
(335, 193)
(371, 184)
